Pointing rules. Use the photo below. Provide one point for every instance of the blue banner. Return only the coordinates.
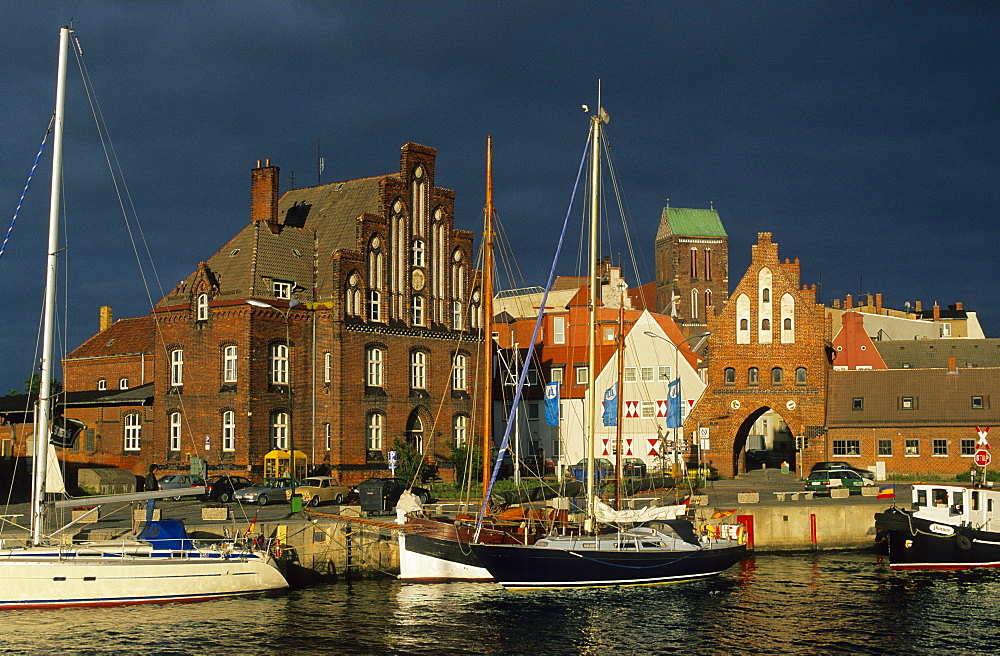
(552, 404)
(611, 406)
(674, 404)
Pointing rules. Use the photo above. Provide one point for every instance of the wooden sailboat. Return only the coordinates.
(163, 564)
(658, 548)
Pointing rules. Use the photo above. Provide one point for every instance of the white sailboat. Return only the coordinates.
(162, 564)
(657, 547)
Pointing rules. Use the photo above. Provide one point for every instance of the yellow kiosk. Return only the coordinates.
(276, 465)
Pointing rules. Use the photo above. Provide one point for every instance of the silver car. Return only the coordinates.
(266, 491)
(177, 481)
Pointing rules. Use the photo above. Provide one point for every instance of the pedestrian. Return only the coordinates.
(151, 485)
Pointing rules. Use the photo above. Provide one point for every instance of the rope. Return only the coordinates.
(24, 193)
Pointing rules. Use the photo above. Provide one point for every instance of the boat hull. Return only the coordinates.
(526, 567)
(42, 578)
(914, 543)
(431, 559)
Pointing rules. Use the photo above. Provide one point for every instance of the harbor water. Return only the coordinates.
(817, 603)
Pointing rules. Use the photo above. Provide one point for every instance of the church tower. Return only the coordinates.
(692, 266)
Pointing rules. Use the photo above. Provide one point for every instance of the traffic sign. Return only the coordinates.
(982, 458)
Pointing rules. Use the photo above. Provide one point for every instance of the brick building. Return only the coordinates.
(692, 266)
(365, 329)
(767, 352)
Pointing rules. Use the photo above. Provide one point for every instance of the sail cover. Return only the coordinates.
(605, 513)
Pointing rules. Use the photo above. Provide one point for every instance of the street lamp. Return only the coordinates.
(677, 350)
(288, 349)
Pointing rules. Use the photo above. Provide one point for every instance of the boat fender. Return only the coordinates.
(741, 534)
(963, 541)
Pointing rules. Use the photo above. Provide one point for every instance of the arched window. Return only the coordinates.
(729, 376)
(229, 363)
(202, 307)
(373, 431)
(327, 367)
(786, 324)
(708, 299)
(133, 431)
(460, 431)
(765, 295)
(175, 431)
(694, 303)
(279, 430)
(776, 376)
(418, 370)
(418, 253)
(279, 364)
(708, 264)
(800, 376)
(459, 374)
(765, 324)
(374, 366)
(374, 305)
(228, 430)
(694, 263)
(744, 324)
(753, 376)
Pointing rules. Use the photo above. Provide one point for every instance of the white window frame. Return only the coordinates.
(581, 375)
(418, 370)
(419, 252)
(176, 428)
(417, 310)
(456, 315)
(280, 421)
(279, 363)
(373, 431)
(133, 431)
(460, 431)
(229, 430)
(327, 366)
(558, 330)
(663, 373)
(177, 367)
(327, 434)
(375, 305)
(630, 375)
(230, 361)
(374, 366)
(123, 383)
(202, 304)
(556, 375)
(281, 289)
(646, 374)
(459, 378)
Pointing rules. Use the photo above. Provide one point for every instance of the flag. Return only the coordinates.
(552, 404)
(253, 523)
(887, 492)
(722, 513)
(674, 404)
(611, 406)
(65, 431)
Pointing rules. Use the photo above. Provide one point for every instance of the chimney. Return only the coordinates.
(958, 306)
(264, 193)
(836, 303)
(878, 303)
(952, 365)
(105, 318)
(848, 302)
(918, 306)
(937, 312)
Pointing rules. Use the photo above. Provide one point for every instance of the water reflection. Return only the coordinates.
(831, 602)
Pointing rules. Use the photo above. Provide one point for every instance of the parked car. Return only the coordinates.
(268, 490)
(757, 458)
(223, 487)
(537, 466)
(707, 472)
(633, 467)
(175, 481)
(839, 464)
(320, 489)
(393, 488)
(603, 468)
(825, 480)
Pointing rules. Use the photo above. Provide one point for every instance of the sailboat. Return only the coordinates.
(435, 549)
(658, 547)
(162, 563)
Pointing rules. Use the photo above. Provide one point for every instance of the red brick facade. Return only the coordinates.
(774, 327)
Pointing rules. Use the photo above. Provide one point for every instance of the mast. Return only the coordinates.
(618, 393)
(40, 459)
(595, 178)
(487, 363)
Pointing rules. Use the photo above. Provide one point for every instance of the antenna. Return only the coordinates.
(319, 164)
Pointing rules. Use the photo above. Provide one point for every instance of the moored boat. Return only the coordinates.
(947, 527)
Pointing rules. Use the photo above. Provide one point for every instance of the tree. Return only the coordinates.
(32, 385)
(408, 460)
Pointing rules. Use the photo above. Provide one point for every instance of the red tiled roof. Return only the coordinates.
(123, 337)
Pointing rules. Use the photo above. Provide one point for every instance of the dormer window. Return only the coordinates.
(202, 312)
(123, 384)
(102, 384)
(281, 289)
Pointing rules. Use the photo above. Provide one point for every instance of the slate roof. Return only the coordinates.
(22, 403)
(940, 397)
(934, 353)
(690, 223)
(131, 336)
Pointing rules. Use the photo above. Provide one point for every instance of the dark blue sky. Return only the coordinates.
(864, 135)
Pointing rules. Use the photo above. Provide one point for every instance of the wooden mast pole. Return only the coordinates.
(487, 363)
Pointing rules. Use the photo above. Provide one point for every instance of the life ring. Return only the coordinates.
(963, 541)
(741, 534)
